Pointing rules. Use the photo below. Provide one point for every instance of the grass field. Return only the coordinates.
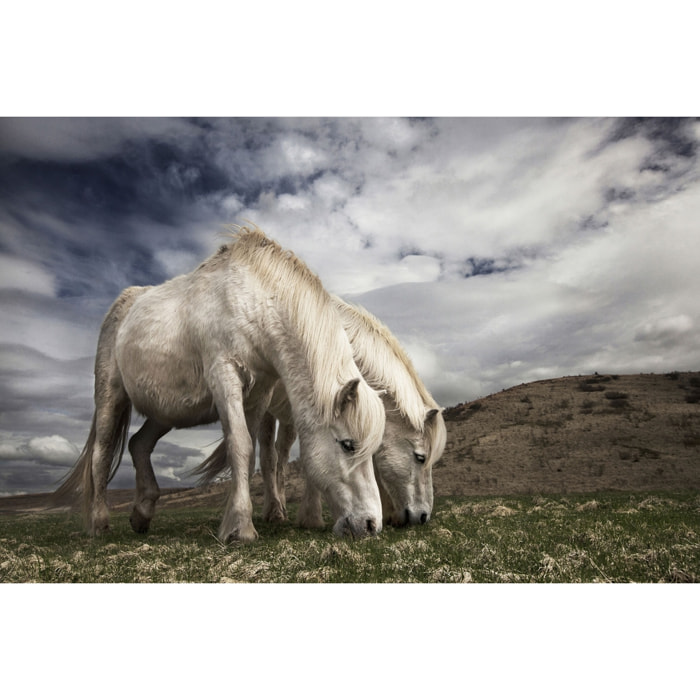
(648, 537)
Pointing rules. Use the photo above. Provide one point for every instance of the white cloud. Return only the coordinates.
(16, 273)
(332, 191)
(293, 203)
(665, 331)
(51, 449)
(619, 299)
(295, 154)
(60, 331)
(231, 205)
(528, 191)
(54, 449)
(167, 473)
(392, 135)
(176, 262)
(442, 193)
(419, 268)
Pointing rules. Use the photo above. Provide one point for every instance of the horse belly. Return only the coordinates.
(163, 375)
(170, 395)
(172, 400)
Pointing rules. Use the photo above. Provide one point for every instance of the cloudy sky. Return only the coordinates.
(498, 250)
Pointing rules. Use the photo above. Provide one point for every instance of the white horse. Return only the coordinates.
(414, 437)
(210, 345)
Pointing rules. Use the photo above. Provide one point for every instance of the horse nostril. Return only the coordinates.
(423, 518)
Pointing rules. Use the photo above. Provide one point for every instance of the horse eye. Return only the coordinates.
(347, 445)
(419, 458)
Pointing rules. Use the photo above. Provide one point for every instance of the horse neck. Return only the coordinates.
(299, 331)
(298, 380)
(310, 376)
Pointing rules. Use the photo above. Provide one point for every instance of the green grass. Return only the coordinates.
(602, 537)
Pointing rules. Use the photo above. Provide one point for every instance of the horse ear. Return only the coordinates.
(347, 395)
(430, 415)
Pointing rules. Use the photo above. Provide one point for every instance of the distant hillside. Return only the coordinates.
(582, 434)
(576, 434)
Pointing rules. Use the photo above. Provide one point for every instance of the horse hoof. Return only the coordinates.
(311, 522)
(139, 523)
(240, 535)
(99, 526)
(97, 530)
(275, 515)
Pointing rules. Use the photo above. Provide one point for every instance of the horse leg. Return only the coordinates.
(111, 426)
(254, 413)
(273, 508)
(141, 446)
(310, 508)
(228, 388)
(286, 435)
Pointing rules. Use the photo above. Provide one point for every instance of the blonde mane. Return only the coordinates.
(385, 365)
(304, 305)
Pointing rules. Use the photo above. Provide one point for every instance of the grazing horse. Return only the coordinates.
(211, 345)
(414, 437)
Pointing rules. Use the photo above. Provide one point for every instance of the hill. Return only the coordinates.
(575, 435)
(580, 434)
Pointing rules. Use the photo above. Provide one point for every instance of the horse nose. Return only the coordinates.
(371, 526)
(414, 518)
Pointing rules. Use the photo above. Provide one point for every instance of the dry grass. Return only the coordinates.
(606, 538)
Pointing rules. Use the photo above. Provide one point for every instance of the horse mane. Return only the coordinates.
(304, 304)
(385, 365)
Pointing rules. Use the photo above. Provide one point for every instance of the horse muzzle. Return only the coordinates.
(409, 516)
(357, 527)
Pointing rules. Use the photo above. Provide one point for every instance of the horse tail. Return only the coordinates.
(117, 439)
(79, 481)
(113, 406)
(73, 483)
(214, 465)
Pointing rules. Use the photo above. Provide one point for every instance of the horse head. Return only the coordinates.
(338, 459)
(404, 464)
